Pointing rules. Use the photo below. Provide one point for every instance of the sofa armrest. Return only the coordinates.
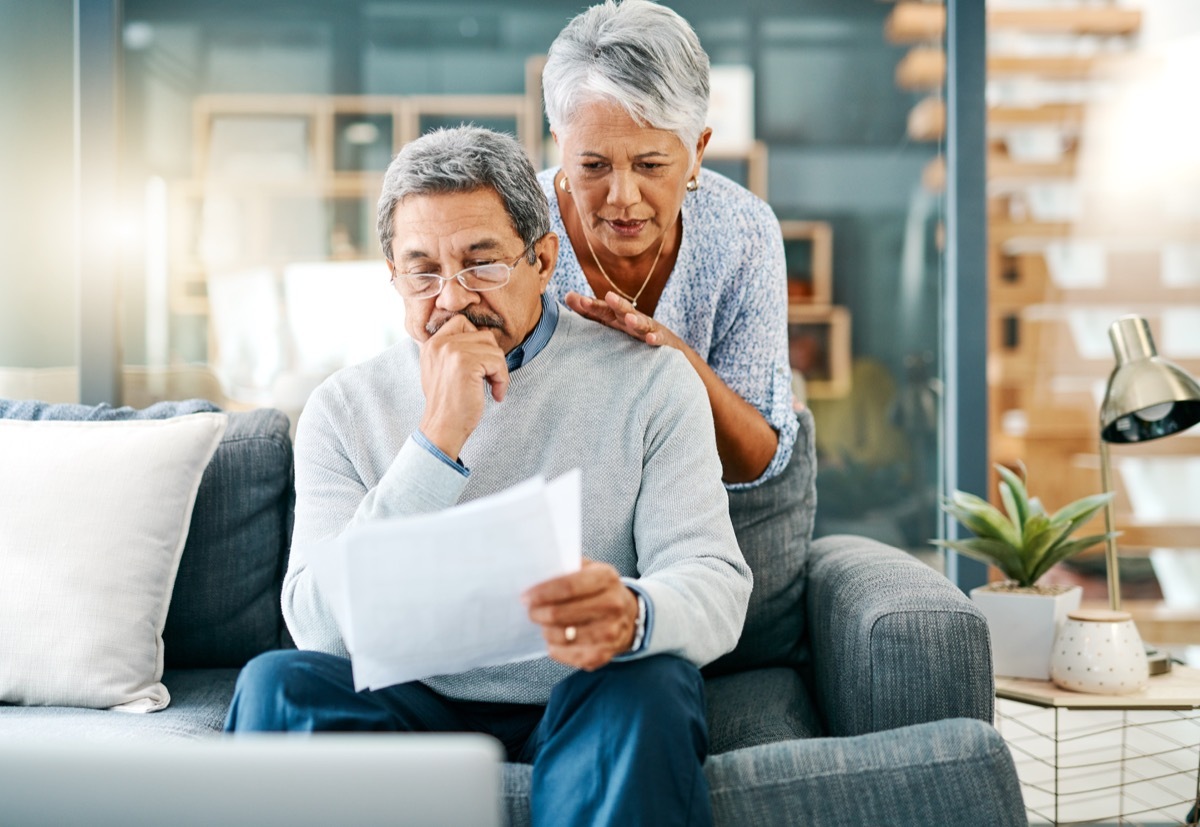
(893, 642)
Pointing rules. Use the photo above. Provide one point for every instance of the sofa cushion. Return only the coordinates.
(199, 700)
(93, 526)
(225, 606)
(774, 523)
(760, 706)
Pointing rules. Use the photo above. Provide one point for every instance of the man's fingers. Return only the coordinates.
(591, 579)
(580, 612)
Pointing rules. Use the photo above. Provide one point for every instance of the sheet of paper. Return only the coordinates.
(440, 593)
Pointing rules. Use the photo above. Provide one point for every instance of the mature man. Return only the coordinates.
(498, 384)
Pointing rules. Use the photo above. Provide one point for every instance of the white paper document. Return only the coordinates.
(438, 594)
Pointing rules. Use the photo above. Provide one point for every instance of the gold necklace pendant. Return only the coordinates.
(631, 299)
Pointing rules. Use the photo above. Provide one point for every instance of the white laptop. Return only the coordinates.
(286, 780)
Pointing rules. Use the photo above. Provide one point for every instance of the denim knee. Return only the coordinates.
(277, 690)
(657, 685)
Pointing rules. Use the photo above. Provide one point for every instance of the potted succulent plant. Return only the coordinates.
(1023, 544)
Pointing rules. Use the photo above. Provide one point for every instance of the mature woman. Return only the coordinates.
(671, 254)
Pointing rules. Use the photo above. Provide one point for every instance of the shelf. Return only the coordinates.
(913, 22)
(1067, 67)
(1080, 20)
(1001, 167)
(924, 68)
(819, 349)
(1162, 625)
(755, 159)
(820, 236)
(1050, 114)
(1001, 232)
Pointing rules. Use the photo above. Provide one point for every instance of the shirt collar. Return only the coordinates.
(537, 339)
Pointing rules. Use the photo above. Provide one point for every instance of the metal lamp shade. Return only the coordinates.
(1147, 397)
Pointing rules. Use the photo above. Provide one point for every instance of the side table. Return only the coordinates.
(1112, 759)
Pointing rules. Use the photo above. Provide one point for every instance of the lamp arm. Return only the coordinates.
(1110, 542)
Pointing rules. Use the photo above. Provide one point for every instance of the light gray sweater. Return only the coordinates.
(635, 419)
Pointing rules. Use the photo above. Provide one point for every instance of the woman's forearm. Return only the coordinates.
(746, 442)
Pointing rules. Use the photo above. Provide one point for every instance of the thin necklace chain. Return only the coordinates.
(631, 299)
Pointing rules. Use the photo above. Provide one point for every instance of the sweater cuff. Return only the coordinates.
(641, 644)
(418, 482)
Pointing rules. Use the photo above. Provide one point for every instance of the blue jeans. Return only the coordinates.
(622, 745)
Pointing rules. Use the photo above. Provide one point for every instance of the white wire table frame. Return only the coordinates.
(1105, 759)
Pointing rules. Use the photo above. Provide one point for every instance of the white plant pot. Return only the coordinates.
(1023, 627)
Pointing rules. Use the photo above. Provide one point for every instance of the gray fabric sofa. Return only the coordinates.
(861, 692)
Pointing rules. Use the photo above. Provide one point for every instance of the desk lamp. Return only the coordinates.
(1147, 397)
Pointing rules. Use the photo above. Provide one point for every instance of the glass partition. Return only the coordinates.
(1093, 182)
(255, 146)
(39, 294)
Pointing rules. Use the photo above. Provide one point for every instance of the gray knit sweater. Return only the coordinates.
(635, 419)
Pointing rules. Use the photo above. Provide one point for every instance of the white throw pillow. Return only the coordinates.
(93, 519)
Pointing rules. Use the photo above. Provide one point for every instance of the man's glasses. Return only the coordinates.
(476, 279)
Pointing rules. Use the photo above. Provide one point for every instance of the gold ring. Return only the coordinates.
(569, 633)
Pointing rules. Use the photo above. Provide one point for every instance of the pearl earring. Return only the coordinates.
(693, 185)
(564, 184)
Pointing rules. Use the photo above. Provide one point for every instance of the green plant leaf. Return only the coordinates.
(993, 552)
(1017, 493)
(1035, 506)
(1040, 534)
(982, 518)
(1080, 511)
(1062, 552)
(1013, 509)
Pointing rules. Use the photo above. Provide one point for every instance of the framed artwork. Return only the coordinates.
(819, 351)
(731, 108)
(808, 249)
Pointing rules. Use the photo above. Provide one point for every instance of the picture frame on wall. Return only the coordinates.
(819, 352)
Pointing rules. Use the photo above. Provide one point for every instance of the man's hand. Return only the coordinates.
(455, 362)
(594, 603)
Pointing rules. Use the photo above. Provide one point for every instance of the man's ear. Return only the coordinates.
(547, 256)
(701, 145)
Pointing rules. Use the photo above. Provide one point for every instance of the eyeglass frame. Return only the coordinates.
(442, 280)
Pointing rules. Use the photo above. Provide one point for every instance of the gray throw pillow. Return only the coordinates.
(774, 523)
(225, 604)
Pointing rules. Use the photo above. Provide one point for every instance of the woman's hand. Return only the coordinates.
(746, 442)
(620, 314)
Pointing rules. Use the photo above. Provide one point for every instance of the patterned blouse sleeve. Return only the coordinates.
(750, 348)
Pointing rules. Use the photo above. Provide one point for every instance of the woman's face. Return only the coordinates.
(628, 181)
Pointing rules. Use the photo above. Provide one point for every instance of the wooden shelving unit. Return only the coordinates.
(1042, 389)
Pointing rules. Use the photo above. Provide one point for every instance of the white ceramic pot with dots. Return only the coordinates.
(1099, 651)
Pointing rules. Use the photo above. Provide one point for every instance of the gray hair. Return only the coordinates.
(464, 159)
(637, 54)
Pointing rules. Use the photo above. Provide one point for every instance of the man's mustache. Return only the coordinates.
(479, 319)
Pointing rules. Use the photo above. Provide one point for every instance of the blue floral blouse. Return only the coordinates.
(726, 297)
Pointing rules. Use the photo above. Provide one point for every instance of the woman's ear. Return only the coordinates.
(701, 145)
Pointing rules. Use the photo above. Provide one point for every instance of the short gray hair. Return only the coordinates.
(464, 159)
(637, 54)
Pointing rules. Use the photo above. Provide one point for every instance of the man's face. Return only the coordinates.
(447, 233)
